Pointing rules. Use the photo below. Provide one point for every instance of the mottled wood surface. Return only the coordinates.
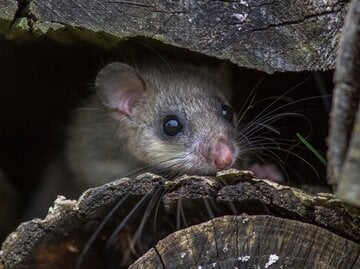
(288, 35)
(58, 240)
(344, 143)
(7, 13)
(252, 242)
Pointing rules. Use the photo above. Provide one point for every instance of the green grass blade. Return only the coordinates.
(311, 148)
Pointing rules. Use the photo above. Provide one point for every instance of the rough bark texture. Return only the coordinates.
(252, 242)
(7, 13)
(288, 35)
(58, 240)
(349, 184)
(344, 145)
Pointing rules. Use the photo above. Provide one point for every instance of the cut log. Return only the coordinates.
(85, 233)
(252, 242)
(266, 35)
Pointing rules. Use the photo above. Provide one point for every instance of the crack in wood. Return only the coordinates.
(152, 8)
(288, 23)
(159, 256)
(134, 4)
(264, 4)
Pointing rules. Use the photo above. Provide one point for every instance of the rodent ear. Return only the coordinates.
(120, 87)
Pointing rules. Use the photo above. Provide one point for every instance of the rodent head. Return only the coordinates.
(177, 118)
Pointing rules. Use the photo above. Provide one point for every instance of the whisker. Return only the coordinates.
(214, 205)
(284, 94)
(260, 117)
(147, 214)
(233, 208)
(178, 219)
(96, 125)
(148, 211)
(180, 214)
(113, 236)
(208, 208)
(80, 109)
(250, 98)
(158, 55)
(98, 230)
(135, 172)
(156, 214)
(290, 153)
(255, 125)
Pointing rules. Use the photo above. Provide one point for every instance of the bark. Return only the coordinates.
(288, 35)
(344, 144)
(59, 239)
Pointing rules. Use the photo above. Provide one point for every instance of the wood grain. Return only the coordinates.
(58, 240)
(288, 35)
(252, 242)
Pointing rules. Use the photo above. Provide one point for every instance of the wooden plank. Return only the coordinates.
(288, 35)
(344, 133)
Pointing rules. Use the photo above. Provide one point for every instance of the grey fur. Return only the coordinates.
(105, 144)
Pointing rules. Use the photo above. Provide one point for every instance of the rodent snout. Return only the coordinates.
(222, 154)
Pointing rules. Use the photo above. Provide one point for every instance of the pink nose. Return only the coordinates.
(223, 155)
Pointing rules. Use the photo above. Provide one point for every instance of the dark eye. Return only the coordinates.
(171, 125)
(227, 113)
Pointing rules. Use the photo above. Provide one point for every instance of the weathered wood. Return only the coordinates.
(7, 12)
(255, 196)
(344, 144)
(349, 184)
(252, 242)
(288, 35)
(57, 241)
